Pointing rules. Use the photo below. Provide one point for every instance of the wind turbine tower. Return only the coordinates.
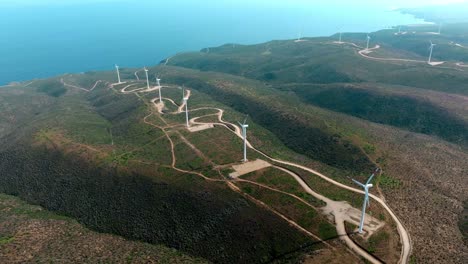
(158, 81)
(368, 40)
(431, 48)
(340, 35)
(244, 127)
(147, 78)
(118, 72)
(366, 197)
(300, 37)
(186, 111)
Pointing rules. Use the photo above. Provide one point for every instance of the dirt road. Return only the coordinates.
(340, 210)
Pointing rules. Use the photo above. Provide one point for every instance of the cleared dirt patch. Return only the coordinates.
(248, 167)
(200, 128)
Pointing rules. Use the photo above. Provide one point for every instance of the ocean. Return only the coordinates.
(48, 40)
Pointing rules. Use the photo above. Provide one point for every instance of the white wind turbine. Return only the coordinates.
(366, 197)
(186, 110)
(244, 127)
(118, 73)
(431, 48)
(340, 35)
(147, 78)
(368, 40)
(299, 39)
(158, 82)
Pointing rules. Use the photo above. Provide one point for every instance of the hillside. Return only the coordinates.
(99, 157)
(119, 161)
(47, 237)
(412, 117)
(321, 71)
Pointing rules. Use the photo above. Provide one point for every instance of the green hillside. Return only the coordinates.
(111, 157)
(63, 159)
(320, 72)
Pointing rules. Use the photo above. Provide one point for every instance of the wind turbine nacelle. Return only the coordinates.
(245, 126)
(370, 185)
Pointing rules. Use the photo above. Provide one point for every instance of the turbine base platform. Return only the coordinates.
(436, 63)
(248, 167)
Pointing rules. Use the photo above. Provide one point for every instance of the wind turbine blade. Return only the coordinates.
(358, 183)
(245, 119)
(240, 124)
(370, 178)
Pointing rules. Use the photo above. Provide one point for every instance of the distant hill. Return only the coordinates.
(111, 157)
(320, 73)
(449, 13)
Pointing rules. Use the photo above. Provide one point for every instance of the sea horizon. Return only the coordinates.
(50, 41)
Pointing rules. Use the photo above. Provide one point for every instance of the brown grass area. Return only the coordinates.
(307, 217)
(56, 139)
(223, 147)
(430, 198)
(327, 256)
(29, 234)
(384, 244)
(280, 180)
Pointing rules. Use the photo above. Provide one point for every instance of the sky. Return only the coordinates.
(390, 4)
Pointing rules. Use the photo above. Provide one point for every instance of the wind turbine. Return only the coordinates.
(366, 197)
(431, 48)
(118, 73)
(186, 110)
(368, 40)
(158, 81)
(147, 78)
(244, 127)
(341, 33)
(300, 36)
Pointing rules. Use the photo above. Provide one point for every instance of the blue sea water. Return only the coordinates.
(47, 40)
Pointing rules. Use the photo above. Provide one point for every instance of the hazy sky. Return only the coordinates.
(290, 3)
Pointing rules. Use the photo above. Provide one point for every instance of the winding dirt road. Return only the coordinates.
(404, 236)
(81, 88)
(340, 210)
(364, 53)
